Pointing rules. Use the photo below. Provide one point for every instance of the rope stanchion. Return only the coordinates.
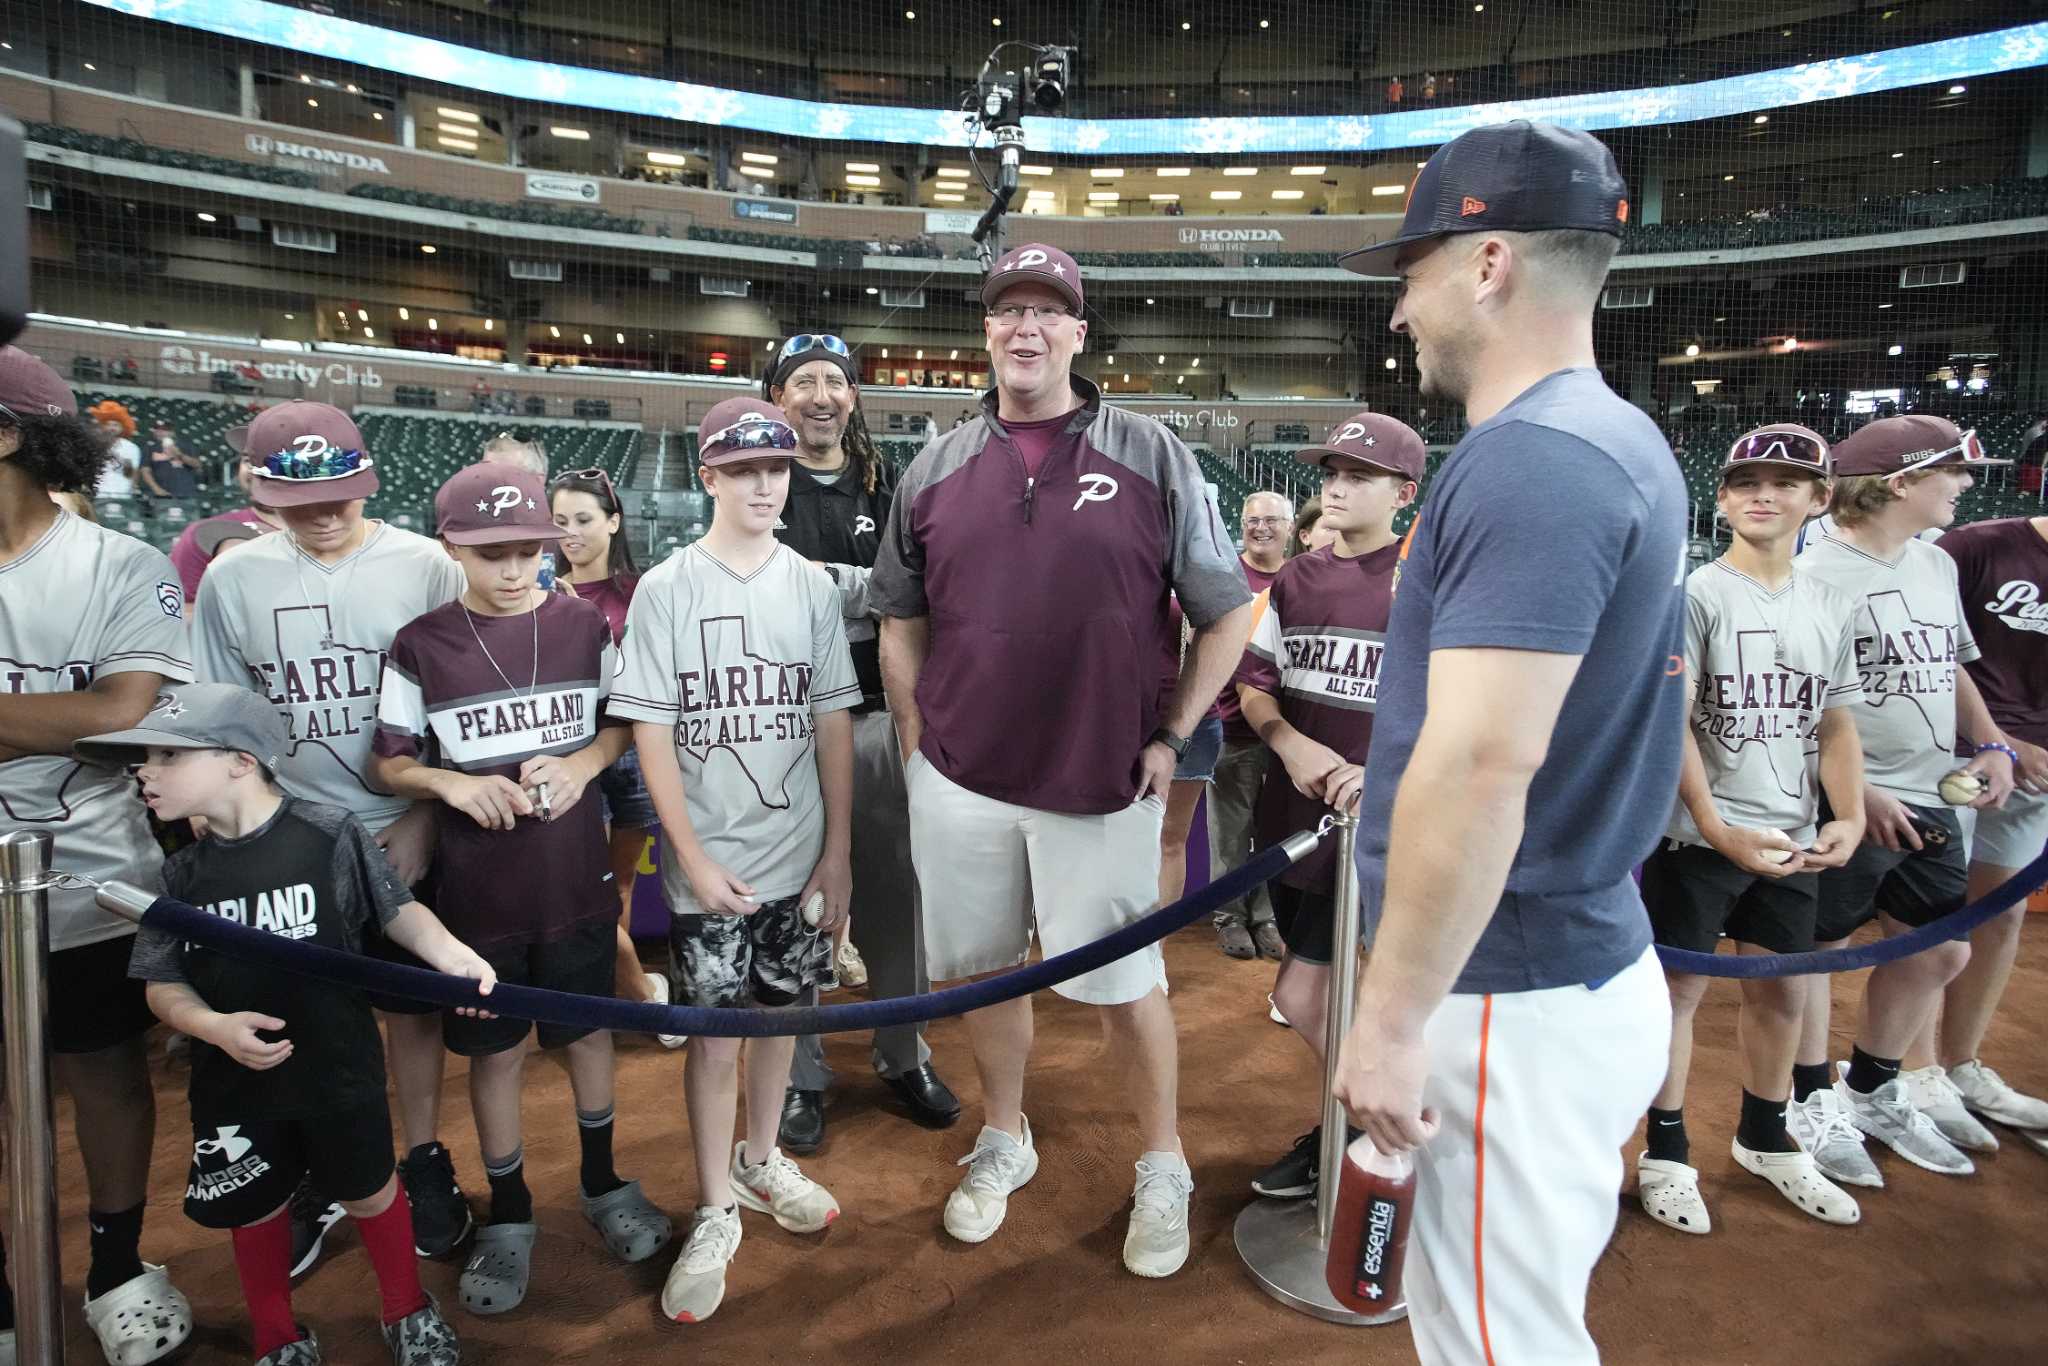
(1954, 925)
(632, 1017)
(25, 884)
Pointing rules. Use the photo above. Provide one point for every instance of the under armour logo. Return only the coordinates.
(230, 1143)
(1471, 206)
(1095, 488)
(863, 524)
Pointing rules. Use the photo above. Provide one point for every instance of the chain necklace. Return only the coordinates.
(299, 572)
(533, 683)
(1763, 600)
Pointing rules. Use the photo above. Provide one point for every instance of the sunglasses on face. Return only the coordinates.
(813, 341)
(753, 433)
(1781, 448)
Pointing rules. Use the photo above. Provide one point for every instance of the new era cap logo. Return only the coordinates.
(1471, 206)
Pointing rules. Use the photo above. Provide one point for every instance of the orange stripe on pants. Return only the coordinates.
(1479, 1182)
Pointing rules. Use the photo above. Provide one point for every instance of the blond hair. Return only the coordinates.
(1860, 497)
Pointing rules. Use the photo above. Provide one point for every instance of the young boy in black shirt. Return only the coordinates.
(287, 1072)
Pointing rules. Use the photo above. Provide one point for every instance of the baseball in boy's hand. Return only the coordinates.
(1961, 787)
(1776, 855)
(814, 909)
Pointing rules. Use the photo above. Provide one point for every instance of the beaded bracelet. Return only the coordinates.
(2007, 750)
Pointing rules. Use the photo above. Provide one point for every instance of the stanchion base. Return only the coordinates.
(1277, 1240)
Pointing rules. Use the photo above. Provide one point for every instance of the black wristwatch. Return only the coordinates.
(1178, 744)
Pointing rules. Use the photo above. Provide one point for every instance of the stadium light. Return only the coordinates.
(1148, 303)
(1240, 170)
(950, 198)
(554, 332)
(1385, 191)
(952, 173)
(490, 324)
(312, 104)
(1289, 194)
(1265, 23)
(1726, 178)
(370, 333)
(572, 134)
(405, 315)
(1036, 170)
(208, 218)
(620, 337)
(862, 166)
(1762, 118)
(1895, 350)
(1103, 196)
(920, 353)
(1112, 358)
(910, 14)
(1897, 155)
(1957, 89)
(377, 115)
(1393, 364)
(1692, 348)
(865, 182)
(996, 22)
(885, 353)
(433, 324)
(873, 290)
(1169, 172)
(1306, 170)
(1791, 343)
(1185, 26)
(954, 356)
(586, 339)
(1226, 194)
(666, 159)
(1106, 173)
(1164, 198)
(428, 248)
(457, 143)
(1160, 361)
(458, 115)
(362, 315)
(1884, 305)
(760, 158)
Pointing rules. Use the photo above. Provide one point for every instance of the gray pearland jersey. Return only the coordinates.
(82, 604)
(1764, 666)
(740, 668)
(1910, 636)
(312, 638)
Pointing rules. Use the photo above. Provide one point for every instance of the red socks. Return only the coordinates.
(263, 1260)
(388, 1240)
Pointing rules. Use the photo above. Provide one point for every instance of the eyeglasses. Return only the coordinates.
(595, 475)
(1011, 314)
(752, 433)
(1781, 448)
(813, 341)
(320, 461)
(1267, 521)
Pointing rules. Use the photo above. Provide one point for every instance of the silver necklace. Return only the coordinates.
(299, 572)
(532, 684)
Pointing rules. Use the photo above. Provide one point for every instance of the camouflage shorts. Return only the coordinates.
(767, 958)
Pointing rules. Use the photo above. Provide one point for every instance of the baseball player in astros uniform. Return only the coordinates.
(92, 625)
(305, 618)
(1512, 1023)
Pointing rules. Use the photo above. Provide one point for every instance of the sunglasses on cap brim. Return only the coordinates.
(752, 433)
(1781, 448)
(332, 462)
(1971, 448)
(813, 341)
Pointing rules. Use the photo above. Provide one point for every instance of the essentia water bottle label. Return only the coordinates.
(1370, 1283)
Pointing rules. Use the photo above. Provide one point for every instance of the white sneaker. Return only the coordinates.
(775, 1185)
(1273, 1013)
(851, 967)
(1670, 1194)
(657, 992)
(1156, 1244)
(1984, 1091)
(1820, 1124)
(1797, 1179)
(1887, 1115)
(696, 1283)
(998, 1165)
(1936, 1097)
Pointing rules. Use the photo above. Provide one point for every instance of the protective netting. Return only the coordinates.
(586, 223)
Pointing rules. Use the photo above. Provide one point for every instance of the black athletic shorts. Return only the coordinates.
(241, 1173)
(767, 958)
(1695, 896)
(582, 962)
(376, 946)
(94, 1003)
(1307, 922)
(1912, 887)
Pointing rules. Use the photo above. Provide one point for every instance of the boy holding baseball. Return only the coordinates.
(739, 681)
(1771, 676)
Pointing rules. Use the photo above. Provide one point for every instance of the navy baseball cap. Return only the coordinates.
(1510, 177)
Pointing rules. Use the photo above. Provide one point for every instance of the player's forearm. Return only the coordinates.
(1841, 765)
(906, 644)
(1973, 718)
(664, 779)
(51, 723)
(835, 778)
(183, 1009)
(420, 932)
(1261, 712)
(1457, 821)
(1695, 791)
(853, 590)
(402, 775)
(601, 753)
(1213, 656)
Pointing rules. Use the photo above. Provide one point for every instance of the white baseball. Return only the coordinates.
(814, 909)
(1960, 788)
(1775, 855)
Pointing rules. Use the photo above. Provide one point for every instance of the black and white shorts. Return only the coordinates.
(767, 958)
(242, 1173)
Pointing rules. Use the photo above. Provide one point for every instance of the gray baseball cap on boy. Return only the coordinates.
(196, 716)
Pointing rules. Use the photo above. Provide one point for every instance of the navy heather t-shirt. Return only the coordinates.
(1558, 525)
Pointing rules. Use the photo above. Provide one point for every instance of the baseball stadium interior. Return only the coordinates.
(587, 222)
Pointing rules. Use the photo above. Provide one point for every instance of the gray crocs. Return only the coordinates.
(494, 1278)
(631, 1225)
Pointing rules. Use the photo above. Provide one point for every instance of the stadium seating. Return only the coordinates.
(1993, 201)
(588, 220)
(415, 453)
(132, 149)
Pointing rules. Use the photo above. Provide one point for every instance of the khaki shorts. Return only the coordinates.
(991, 872)
(2011, 837)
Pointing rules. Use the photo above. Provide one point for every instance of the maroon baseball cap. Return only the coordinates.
(303, 452)
(1901, 445)
(490, 503)
(1034, 262)
(29, 388)
(744, 429)
(1371, 439)
(1781, 443)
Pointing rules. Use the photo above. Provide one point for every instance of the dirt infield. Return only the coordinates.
(1941, 1269)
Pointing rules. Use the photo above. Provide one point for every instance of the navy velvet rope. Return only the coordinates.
(1954, 925)
(590, 1012)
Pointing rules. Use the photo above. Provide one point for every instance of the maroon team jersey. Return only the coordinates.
(2002, 572)
(542, 879)
(612, 597)
(1316, 650)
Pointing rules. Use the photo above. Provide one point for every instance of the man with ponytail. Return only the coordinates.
(840, 493)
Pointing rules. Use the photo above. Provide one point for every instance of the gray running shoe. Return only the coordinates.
(1936, 1097)
(1820, 1125)
(1887, 1115)
(1985, 1092)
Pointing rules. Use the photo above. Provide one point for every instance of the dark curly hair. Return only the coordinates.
(64, 454)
